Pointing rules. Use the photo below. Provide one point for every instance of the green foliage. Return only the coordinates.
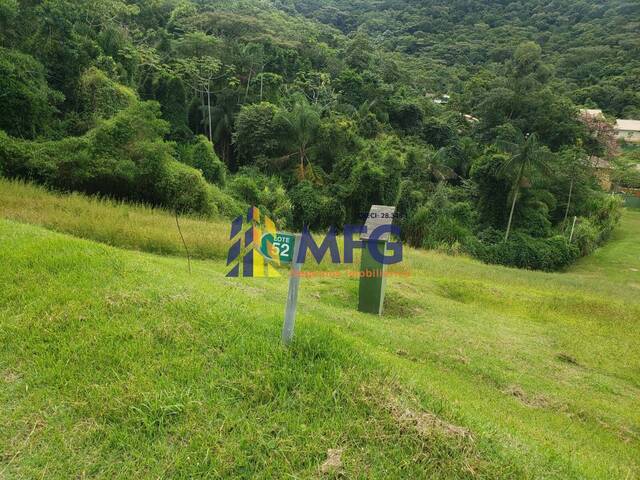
(258, 133)
(492, 189)
(439, 222)
(170, 92)
(184, 189)
(301, 123)
(523, 251)
(336, 139)
(314, 208)
(200, 155)
(627, 168)
(28, 103)
(265, 192)
(318, 122)
(373, 177)
(124, 157)
(102, 97)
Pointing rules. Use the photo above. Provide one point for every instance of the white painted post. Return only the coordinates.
(292, 295)
(572, 228)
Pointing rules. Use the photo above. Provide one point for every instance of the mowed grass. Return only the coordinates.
(121, 364)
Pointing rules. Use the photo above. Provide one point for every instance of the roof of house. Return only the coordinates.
(628, 125)
(592, 112)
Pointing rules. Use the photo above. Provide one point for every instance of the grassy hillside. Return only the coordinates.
(119, 364)
(120, 224)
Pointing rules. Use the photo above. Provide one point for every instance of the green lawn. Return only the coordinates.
(120, 364)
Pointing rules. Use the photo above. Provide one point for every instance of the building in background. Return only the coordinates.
(591, 112)
(628, 130)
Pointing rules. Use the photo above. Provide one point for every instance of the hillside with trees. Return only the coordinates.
(463, 115)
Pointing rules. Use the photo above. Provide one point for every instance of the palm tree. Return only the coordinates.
(526, 154)
(438, 165)
(303, 121)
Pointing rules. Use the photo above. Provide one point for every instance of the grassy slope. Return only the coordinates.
(136, 227)
(119, 363)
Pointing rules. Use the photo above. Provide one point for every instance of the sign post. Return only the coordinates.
(285, 246)
(372, 271)
(292, 294)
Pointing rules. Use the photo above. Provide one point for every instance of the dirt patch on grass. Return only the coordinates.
(536, 401)
(427, 424)
(333, 463)
(9, 376)
(409, 416)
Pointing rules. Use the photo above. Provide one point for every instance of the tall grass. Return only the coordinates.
(137, 227)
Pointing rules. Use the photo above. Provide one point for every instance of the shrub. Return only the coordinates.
(28, 104)
(586, 236)
(123, 157)
(225, 204)
(427, 228)
(201, 155)
(315, 208)
(102, 96)
(524, 251)
(265, 192)
(439, 221)
(184, 189)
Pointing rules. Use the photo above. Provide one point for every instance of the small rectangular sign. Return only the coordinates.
(282, 245)
(378, 215)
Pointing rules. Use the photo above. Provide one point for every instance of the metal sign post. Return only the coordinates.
(292, 294)
(284, 248)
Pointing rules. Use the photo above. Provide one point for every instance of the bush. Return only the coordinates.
(184, 189)
(315, 208)
(586, 236)
(439, 221)
(201, 155)
(123, 157)
(225, 204)
(265, 192)
(102, 97)
(590, 232)
(427, 228)
(524, 251)
(28, 104)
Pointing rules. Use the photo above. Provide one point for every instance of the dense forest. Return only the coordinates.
(465, 115)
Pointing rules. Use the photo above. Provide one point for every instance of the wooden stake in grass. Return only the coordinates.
(183, 242)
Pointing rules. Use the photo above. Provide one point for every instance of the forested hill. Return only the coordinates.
(593, 45)
(465, 116)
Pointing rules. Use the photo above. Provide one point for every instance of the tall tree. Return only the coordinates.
(526, 154)
(200, 73)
